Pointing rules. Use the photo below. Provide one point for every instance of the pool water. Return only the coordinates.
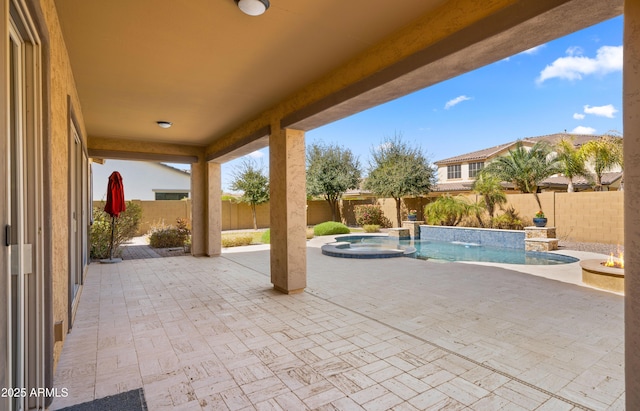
(444, 251)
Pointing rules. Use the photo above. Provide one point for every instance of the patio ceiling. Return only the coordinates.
(210, 69)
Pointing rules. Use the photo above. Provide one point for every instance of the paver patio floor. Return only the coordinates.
(403, 334)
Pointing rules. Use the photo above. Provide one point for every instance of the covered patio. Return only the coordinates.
(407, 334)
(88, 80)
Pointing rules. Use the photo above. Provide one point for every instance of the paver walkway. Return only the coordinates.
(210, 333)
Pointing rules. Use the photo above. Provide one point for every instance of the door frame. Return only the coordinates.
(78, 197)
(23, 189)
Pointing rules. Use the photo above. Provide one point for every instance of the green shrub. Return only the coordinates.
(371, 228)
(165, 236)
(369, 214)
(126, 227)
(266, 237)
(510, 220)
(449, 210)
(183, 229)
(237, 240)
(330, 228)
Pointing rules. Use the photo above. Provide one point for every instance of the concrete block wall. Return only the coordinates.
(235, 216)
(583, 216)
(591, 216)
(167, 211)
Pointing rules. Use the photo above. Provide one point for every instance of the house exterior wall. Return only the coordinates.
(464, 177)
(141, 179)
(63, 99)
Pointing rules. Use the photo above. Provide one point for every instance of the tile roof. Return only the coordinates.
(460, 186)
(607, 179)
(484, 154)
(463, 186)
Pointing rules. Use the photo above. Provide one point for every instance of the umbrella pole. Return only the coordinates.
(111, 260)
(113, 226)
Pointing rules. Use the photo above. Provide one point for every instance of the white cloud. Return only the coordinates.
(534, 50)
(455, 101)
(602, 111)
(575, 51)
(608, 59)
(256, 154)
(578, 116)
(583, 130)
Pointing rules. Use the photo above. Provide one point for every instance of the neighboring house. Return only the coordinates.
(142, 180)
(457, 174)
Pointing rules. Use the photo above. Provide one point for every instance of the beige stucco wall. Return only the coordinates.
(584, 216)
(591, 216)
(162, 211)
(62, 93)
(235, 216)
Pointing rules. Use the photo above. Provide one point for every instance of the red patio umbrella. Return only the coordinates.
(115, 205)
(115, 195)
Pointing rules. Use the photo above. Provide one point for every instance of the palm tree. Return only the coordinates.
(491, 190)
(605, 153)
(525, 168)
(572, 161)
(450, 211)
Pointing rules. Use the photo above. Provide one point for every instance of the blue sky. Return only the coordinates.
(573, 84)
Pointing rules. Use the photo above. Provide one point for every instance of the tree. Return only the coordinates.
(331, 170)
(525, 168)
(254, 184)
(491, 190)
(604, 153)
(448, 210)
(398, 170)
(571, 160)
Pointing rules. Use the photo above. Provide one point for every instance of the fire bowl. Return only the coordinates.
(596, 274)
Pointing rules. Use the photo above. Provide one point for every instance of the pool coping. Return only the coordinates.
(338, 248)
(344, 249)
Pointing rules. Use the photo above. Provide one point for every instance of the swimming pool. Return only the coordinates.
(444, 251)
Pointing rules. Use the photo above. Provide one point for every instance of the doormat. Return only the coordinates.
(127, 401)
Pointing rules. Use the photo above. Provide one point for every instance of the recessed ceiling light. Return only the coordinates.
(164, 124)
(253, 7)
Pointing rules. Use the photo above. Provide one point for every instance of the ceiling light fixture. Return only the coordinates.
(164, 124)
(253, 7)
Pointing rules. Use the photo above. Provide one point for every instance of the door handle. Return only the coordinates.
(7, 235)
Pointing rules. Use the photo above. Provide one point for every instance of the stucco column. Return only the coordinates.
(214, 207)
(288, 222)
(199, 191)
(631, 102)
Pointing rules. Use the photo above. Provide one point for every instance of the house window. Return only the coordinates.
(474, 168)
(171, 196)
(454, 172)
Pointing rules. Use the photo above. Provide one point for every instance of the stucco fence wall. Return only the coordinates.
(588, 216)
(235, 216)
(583, 216)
